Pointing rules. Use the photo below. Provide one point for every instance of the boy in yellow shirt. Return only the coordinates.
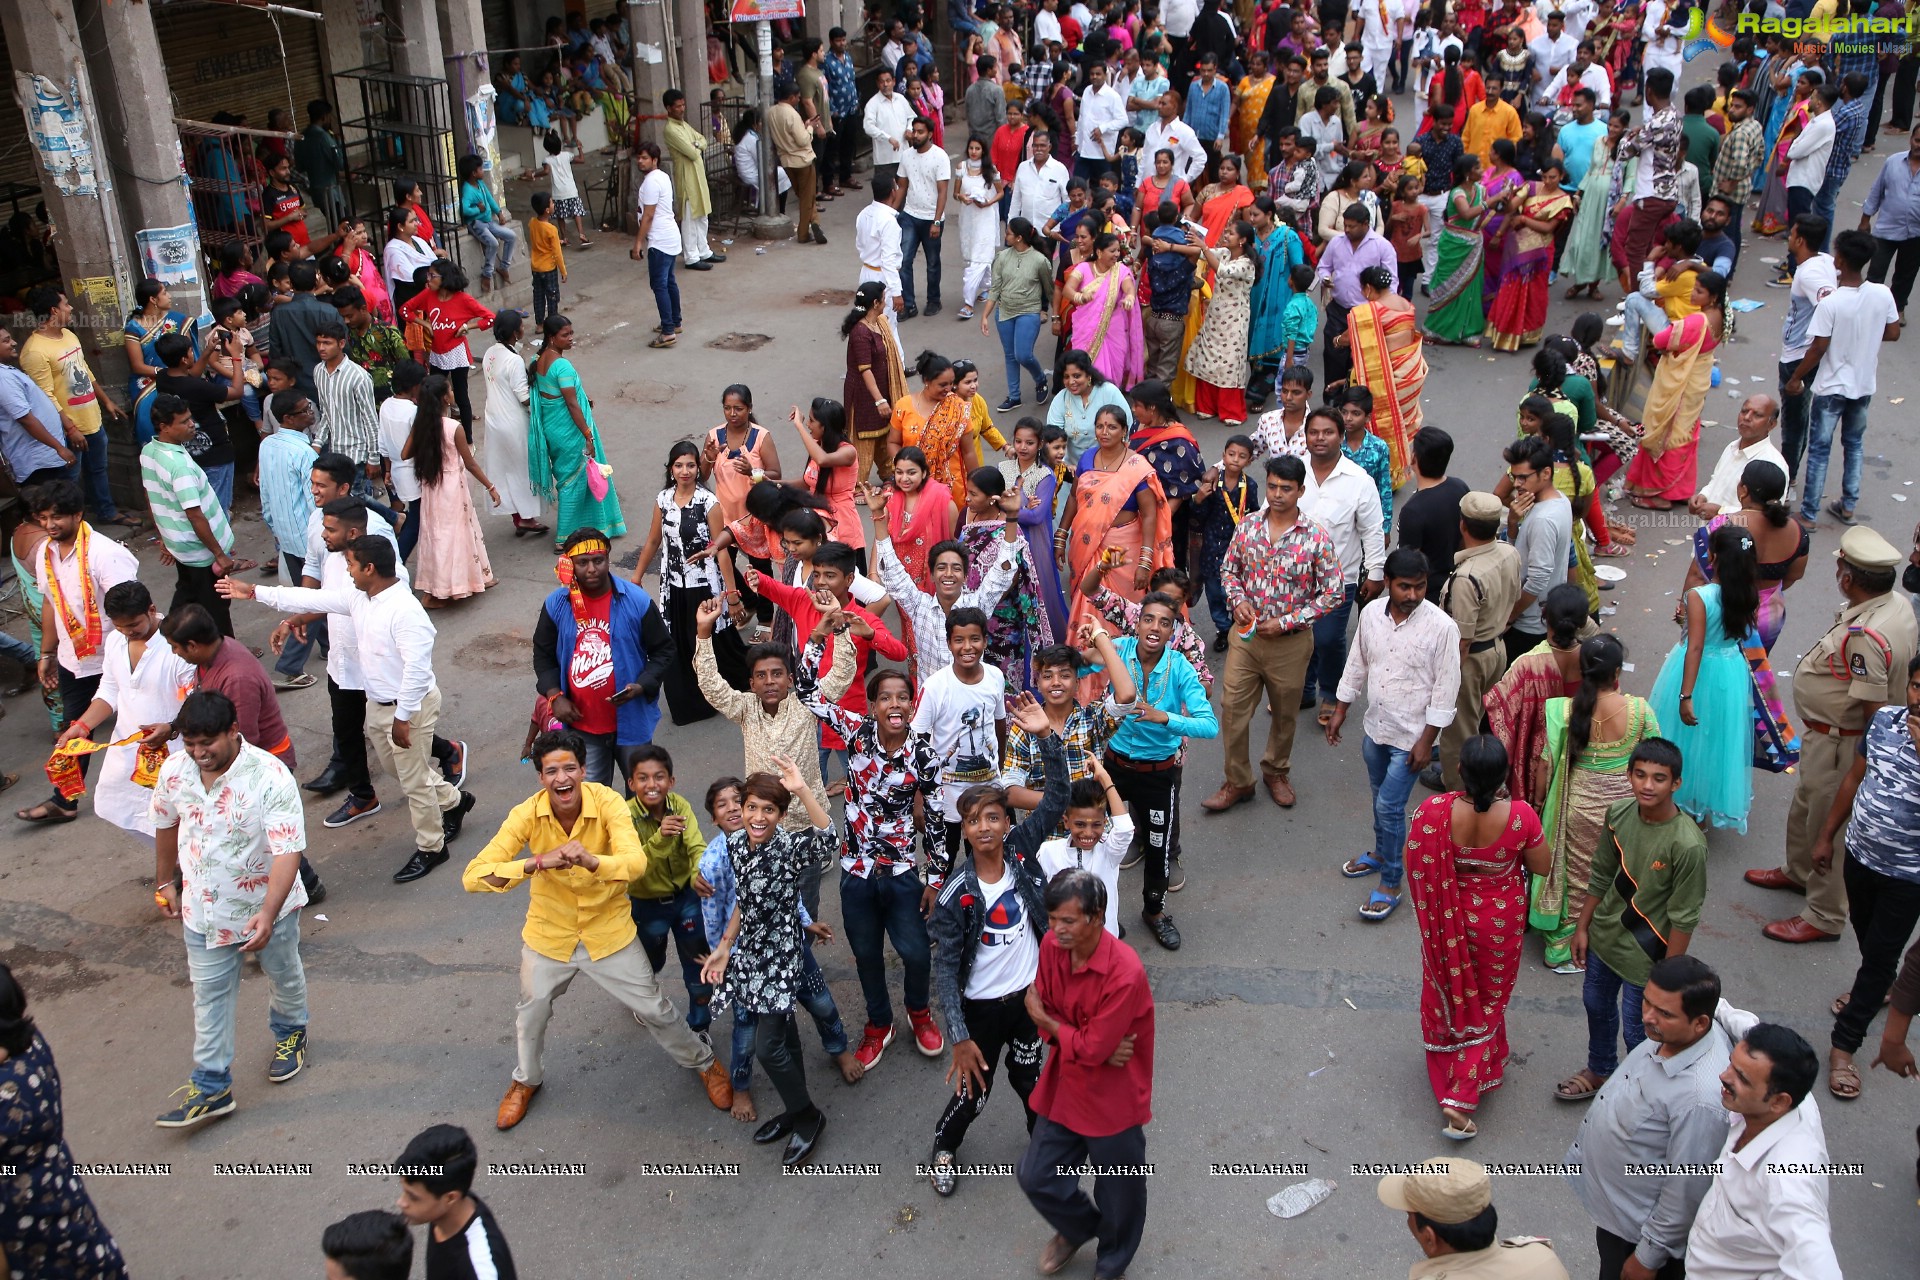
(549, 263)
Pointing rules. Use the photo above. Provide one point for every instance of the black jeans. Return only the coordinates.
(1795, 412)
(1518, 642)
(349, 708)
(1614, 1252)
(776, 1047)
(1153, 798)
(1115, 1215)
(1904, 257)
(997, 1027)
(193, 584)
(842, 146)
(1883, 910)
(1337, 361)
(462, 404)
(546, 294)
(76, 695)
(1901, 109)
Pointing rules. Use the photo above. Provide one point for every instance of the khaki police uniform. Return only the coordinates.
(1521, 1258)
(1479, 595)
(1860, 661)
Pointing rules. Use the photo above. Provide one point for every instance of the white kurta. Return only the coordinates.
(148, 694)
(504, 452)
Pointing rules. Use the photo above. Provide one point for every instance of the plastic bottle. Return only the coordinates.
(1294, 1200)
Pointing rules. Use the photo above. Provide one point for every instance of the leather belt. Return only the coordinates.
(1828, 730)
(1481, 646)
(1144, 766)
(385, 704)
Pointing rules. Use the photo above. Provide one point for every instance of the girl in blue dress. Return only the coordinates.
(1704, 695)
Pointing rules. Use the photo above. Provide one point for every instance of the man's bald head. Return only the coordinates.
(1759, 414)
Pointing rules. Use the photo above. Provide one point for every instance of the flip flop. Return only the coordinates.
(1840, 513)
(1326, 714)
(1613, 550)
(1578, 1087)
(49, 813)
(1843, 1081)
(1379, 906)
(1460, 1135)
(1368, 866)
(663, 341)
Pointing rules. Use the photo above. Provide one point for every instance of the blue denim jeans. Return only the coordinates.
(215, 972)
(666, 290)
(1849, 414)
(916, 233)
(221, 478)
(679, 918)
(814, 998)
(1642, 313)
(20, 651)
(880, 906)
(496, 242)
(546, 294)
(1794, 413)
(1329, 651)
(91, 468)
(294, 654)
(1391, 779)
(1217, 604)
(1613, 1005)
(1017, 337)
(408, 534)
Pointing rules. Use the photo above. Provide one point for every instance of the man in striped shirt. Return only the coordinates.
(349, 414)
(187, 513)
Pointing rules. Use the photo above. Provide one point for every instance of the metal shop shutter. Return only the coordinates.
(220, 57)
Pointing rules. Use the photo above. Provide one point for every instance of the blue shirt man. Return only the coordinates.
(1209, 102)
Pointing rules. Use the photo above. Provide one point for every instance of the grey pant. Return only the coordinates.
(1164, 334)
(626, 976)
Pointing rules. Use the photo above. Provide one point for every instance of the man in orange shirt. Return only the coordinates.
(1487, 121)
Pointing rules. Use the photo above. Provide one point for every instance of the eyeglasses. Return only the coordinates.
(1521, 477)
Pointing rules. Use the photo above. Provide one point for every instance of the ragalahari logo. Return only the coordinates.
(1704, 36)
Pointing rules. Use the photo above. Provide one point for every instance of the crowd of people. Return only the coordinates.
(971, 680)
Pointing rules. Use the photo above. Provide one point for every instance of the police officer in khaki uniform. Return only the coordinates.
(1479, 594)
(1857, 666)
(1449, 1206)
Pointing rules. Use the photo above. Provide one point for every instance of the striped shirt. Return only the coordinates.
(286, 497)
(349, 420)
(175, 484)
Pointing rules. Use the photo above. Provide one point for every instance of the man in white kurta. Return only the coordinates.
(876, 241)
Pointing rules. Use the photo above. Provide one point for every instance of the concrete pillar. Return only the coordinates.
(138, 131)
(463, 41)
(691, 23)
(648, 23)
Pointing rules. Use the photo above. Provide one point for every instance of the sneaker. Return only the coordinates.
(316, 895)
(1178, 880)
(352, 811)
(1780, 282)
(1040, 391)
(289, 1055)
(926, 1033)
(197, 1107)
(909, 311)
(456, 766)
(1008, 406)
(872, 1045)
(933, 308)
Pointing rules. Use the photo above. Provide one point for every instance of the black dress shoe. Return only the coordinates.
(329, 781)
(697, 266)
(805, 1137)
(1220, 642)
(909, 312)
(1162, 929)
(774, 1130)
(933, 308)
(451, 819)
(716, 257)
(419, 865)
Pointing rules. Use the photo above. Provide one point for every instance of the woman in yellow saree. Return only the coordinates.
(1249, 101)
(1389, 359)
(1662, 472)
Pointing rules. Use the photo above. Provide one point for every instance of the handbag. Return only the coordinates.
(1776, 744)
(597, 479)
(418, 337)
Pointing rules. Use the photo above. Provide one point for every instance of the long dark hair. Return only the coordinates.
(986, 161)
(1250, 241)
(1766, 484)
(1451, 78)
(1733, 568)
(832, 417)
(1601, 658)
(428, 439)
(1483, 770)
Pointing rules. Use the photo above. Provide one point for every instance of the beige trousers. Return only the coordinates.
(626, 976)
(1479, 672)
(429, 794)
(1824, 760)
(1261, 669)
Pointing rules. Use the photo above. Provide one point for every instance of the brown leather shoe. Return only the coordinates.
(1057, 1254)
(513, 1107)
(719, 1085)
(1774, 878)
(1281, 790)
(1796, 929)
(1226, 797)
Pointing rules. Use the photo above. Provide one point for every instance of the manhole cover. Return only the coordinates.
(741, 341)
(496, 651)
(645, 391)
(829, 298)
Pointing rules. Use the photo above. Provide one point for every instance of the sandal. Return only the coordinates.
(7, 780)
(663, 341)
(244, 566)
(1843, 1081)
(1843, 514)
(1838, 1007)
(1459, 1128)
(1361, 867)
(1612, 550)
(47, 811)
(1326, 714)
(1579, 1086)
(127, 521)
(1379, 906)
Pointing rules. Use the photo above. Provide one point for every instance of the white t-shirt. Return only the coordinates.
(1853, 319)
(1046, 27)
(656, 193)
(922, 170)
(1008, 956)
(959, 719)
(560, 177)
(1813, 280)
(1103, 860)
(396, 424)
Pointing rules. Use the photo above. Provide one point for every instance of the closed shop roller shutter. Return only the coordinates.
(221, 57)
(16, 156)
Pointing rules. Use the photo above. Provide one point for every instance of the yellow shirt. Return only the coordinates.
(571, 906)
(60, 367)
(1486, 122)
(1675, 296)
(543, 246)
(1414, 167)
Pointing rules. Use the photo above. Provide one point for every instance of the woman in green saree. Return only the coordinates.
(1582, 770)
(562, 439)
(1456, 312)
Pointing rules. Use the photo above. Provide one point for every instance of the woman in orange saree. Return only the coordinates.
(1662, 472)
(1117, 511)
(1389, 359)
(945, 439)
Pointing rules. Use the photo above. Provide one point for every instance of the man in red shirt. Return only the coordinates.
(1095, 1096)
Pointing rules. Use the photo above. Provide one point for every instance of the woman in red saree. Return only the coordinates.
(1518, 315)
(1465, 851)
(1662, 472)
(1118, 511)
(1389, 359)
(920, 515)
(1517, 705)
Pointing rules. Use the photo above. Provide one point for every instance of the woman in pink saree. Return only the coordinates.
(1501, 181)
(1106, 313)
(1465, 854)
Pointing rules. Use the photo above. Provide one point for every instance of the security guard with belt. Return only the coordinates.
(1449, 1206)
(1479, 595)
(1860, 664)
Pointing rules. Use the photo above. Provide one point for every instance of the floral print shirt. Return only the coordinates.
(1661, 142)
(1296, 579)
(764, 968)
(1374, 459)
(230, 833)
